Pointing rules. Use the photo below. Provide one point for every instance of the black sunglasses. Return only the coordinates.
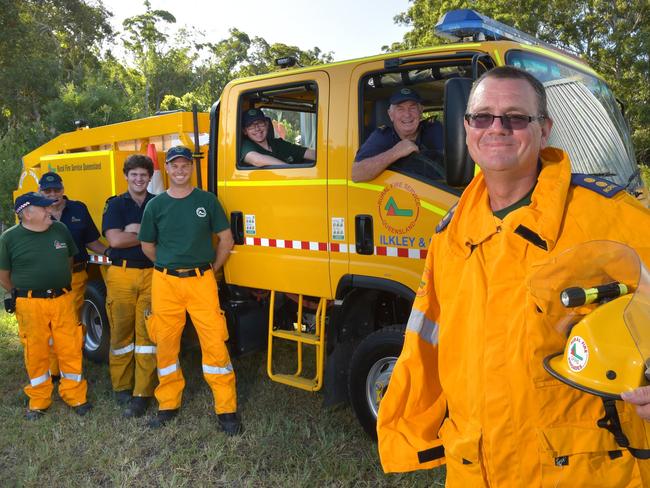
(514, 121)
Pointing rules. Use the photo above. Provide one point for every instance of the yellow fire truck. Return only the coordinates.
(321, 261)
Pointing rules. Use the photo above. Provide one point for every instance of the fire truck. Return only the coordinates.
(322, 263)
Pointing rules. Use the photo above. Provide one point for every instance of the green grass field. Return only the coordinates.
(290, 440)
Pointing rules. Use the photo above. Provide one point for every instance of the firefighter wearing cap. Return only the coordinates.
(177, 232)
(258, 149)
(469, 386)
(35, 258)
(409, 134)
(75, 216)
(132, 357)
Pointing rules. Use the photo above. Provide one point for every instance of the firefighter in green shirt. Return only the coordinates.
(35, 264)
(176, 234)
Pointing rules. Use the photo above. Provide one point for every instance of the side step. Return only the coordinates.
(316, 340)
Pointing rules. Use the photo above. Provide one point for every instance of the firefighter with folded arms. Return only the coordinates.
(74, 214)
(132, 357)
(177, 232)
(470, 384)
(35, 259)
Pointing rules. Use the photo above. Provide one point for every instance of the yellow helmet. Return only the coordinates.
(600, 356)
(608, 346)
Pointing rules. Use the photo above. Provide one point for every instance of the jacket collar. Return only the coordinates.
(474, 222)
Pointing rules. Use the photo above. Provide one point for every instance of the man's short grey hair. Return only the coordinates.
(512, 73)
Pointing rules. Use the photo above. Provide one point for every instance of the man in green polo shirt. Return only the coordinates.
(176, 234)
(35, 264)
(258, 150)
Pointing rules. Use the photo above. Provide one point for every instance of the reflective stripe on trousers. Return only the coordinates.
(207, 369)
(167, 370)
(123, 350)
(71, 376)
(41, 379)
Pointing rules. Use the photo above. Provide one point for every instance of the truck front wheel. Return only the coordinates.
(370, 370)
(94, 318)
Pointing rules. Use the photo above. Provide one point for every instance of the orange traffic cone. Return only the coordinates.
(156, 185)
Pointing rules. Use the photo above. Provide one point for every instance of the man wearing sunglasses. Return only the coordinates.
(470, 385)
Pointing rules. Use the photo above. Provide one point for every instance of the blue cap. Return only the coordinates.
(31, 198)
(178, 152)
(251, 115)
(405, 94)
(50, 180)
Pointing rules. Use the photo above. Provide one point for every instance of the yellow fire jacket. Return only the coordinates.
(470, 376)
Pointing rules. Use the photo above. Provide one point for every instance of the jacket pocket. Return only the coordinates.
(580, 456)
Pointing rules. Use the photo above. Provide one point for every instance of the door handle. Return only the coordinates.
(364, 239)
(237, 226)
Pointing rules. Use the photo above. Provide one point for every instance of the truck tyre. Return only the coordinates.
(370, 370)
(93, 316)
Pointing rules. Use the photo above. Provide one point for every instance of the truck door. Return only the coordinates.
(278, 209)
(393, 216)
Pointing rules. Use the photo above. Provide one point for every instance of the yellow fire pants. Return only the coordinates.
(132, 357)
(171, 298)
(79, 280)
(38, 320)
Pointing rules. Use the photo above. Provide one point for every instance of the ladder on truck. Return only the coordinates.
(301, 338)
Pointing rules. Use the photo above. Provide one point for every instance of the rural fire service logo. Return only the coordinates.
(201, 212)
(399, 207)
(578, 354)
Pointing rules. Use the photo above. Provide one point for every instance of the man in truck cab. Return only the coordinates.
(409, 134)
(176, 233)
(470, 385)
(257, 149)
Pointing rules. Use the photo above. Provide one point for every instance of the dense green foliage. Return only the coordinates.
(613, 36)
(61, 61)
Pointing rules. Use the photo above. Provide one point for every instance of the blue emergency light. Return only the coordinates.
(461, 24)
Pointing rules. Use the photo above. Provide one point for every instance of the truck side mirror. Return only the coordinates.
(460, 167)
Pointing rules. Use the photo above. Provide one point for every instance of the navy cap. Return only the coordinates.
(405, 94)
(178, 152)
(251, 115)
(50, 180)
(31, 198)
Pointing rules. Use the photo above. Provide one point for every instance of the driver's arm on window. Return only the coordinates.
(261, 160)
(369, 168)
(310, 155)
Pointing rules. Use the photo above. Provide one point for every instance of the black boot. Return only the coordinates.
(34, 414)
(163, 417)
(137, 407)
(83, 409)
(123, 397)
(229, 423)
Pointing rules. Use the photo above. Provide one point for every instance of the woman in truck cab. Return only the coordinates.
(259, 150)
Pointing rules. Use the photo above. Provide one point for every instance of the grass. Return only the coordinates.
(290, 440)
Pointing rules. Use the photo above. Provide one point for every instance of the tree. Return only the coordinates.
(612, 36)
(43, 44)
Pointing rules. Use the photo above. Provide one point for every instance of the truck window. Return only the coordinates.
(375, 123)
(588, 122)
(278, 127)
